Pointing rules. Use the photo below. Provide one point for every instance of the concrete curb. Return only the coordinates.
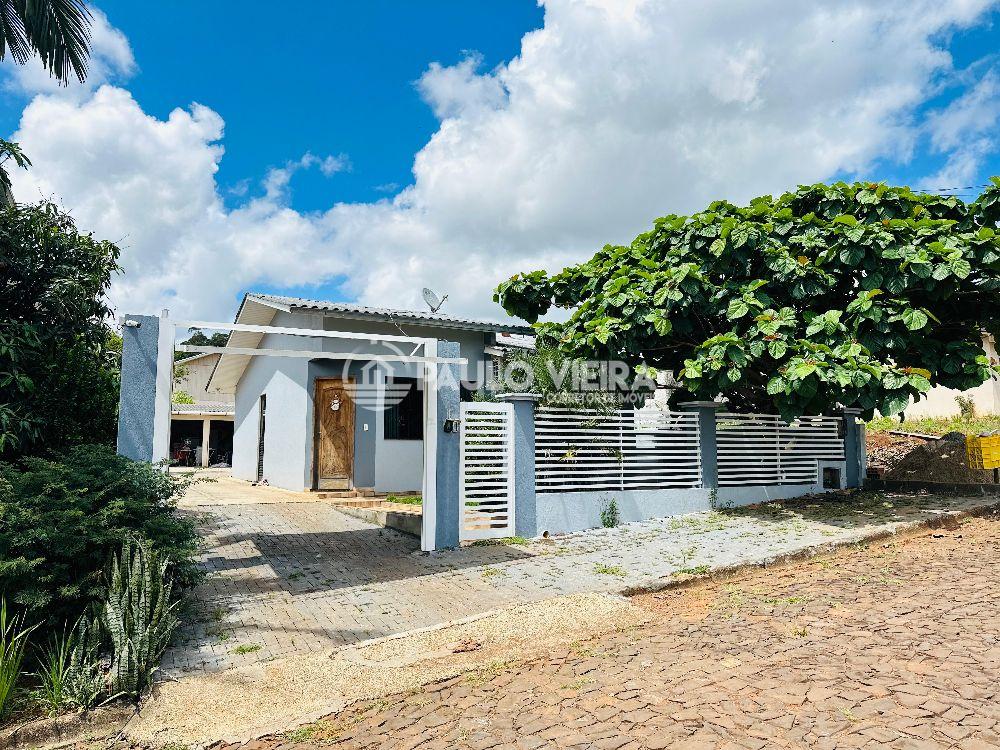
(935, 488)
(789, 558)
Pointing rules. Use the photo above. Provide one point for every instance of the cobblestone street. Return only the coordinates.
(895, 644)
(297, 577)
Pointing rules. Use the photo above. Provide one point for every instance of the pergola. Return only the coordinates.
(148, 346)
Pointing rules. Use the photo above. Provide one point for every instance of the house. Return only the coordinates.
(198, 419)
(341, 424)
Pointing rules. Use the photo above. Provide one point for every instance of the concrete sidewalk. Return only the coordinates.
(290, 578)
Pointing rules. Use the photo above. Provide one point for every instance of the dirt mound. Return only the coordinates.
(941, 460)
(887, 450)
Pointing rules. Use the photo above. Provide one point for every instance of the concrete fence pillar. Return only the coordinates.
(854, 449)
(444, 447)
(137, 396)
(525, 510)
(708, 444)
(146, 381)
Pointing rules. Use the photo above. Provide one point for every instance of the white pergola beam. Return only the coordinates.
(307, 354)
(320, 333)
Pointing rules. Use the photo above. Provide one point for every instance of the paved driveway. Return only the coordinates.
(288, 577)
(892, 646)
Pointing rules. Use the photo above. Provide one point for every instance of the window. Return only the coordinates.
(404, 414)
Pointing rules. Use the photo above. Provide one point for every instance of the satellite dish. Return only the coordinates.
(433, 301)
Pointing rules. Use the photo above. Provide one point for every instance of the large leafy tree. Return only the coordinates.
(59, 360)
(856, 295)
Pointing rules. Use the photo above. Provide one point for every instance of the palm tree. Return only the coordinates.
(58, 33)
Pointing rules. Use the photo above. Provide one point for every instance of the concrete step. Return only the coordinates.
(343, 494)
(405, 518)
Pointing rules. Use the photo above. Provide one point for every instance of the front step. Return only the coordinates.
(405, 518)
(343, 494)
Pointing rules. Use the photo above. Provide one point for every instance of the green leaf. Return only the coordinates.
(845, 219)
(663, 326)
(737, 309)
(914, 319)
(960, 267)
(893, 404)
(777, 349)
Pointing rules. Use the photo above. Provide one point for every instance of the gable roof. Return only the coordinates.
(388, 315)
(260, 309)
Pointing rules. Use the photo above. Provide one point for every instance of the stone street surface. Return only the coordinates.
(895, 644)
(292, 577)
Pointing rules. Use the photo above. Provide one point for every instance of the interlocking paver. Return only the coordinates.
(834, 665)
(288, 577)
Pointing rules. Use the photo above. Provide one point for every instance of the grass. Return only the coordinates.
(485, 674)
(405, 499)
(609, 570)
(516, 540)
(247, 648)
(577, 684)
(938, 425)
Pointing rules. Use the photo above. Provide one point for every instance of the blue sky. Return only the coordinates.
(363, 150)
(339, 79)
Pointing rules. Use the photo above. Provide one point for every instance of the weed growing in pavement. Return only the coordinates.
(697, 570)
(246, 648)
(800, 631)
(609, 570)
(484, 674)
(610, 517)
(217, 631)
(507, 540)
(577, 684)
(489, 573)
(849, 715)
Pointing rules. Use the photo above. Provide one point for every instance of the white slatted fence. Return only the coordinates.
(486, 471)
(583, 450)
(763, 449)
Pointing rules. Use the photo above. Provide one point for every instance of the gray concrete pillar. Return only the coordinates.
(854, 449)
(525, 515)
(137, 397)
(447, 510)
(707, 440)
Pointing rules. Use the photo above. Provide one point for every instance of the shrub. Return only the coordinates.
(69, 673)
(610, 517)
(966, 407)
(139, 615)
(62, 519)
(13, 640)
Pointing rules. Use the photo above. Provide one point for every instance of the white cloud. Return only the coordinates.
(613, 113)
(277, 180)
(459, 90)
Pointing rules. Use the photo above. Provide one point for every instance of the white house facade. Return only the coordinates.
(334, 424)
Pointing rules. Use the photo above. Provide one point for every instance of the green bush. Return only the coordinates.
(140, 616)
(62, 520)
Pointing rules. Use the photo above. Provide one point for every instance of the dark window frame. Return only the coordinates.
(404, 420)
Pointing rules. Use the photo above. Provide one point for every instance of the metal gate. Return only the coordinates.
(486, 483)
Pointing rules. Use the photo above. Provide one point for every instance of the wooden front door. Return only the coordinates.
(334, 447)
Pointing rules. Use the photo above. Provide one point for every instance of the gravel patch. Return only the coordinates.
(245, 702)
